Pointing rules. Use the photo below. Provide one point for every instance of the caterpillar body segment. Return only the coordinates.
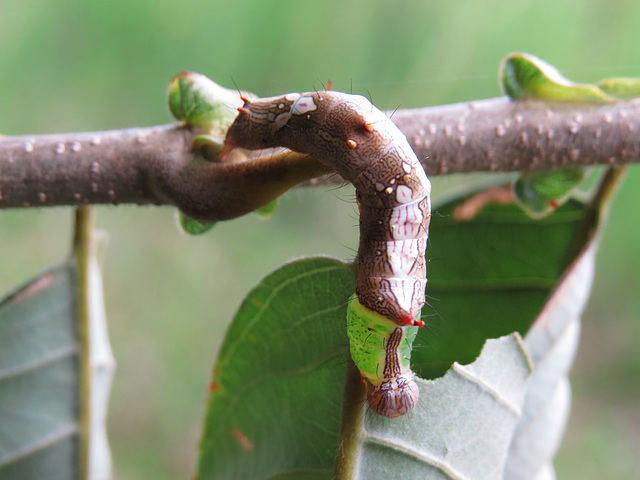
(382, 351)
(365, 147)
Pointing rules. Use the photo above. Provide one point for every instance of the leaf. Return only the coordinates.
(545, 407)
(196, 227)
(55, 370)
(547, 402)
(39, 378)
(461, 428)
(208, 146)
(523, 75)
(552, 343)
(276, 394)
(621, 88)
(491, 275)
(539, 193)
(268, 210)
(192, 226)
(200, 102)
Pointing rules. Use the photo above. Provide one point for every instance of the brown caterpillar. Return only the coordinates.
(393, 192)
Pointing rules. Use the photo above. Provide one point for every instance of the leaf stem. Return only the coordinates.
(82, 245)
(353, 413)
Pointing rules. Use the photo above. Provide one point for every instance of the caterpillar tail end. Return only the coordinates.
(393, 398)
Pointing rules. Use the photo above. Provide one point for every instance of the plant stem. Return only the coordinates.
(353, 414)
(82, 245)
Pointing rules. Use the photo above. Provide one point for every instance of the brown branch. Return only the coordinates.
(154, 165)
(157, 165)
(96, 167)
(504, 135)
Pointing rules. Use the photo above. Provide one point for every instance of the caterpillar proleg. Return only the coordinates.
(393, 193)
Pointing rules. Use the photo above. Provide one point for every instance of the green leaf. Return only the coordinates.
(539, 193)
(192, 226)
(491, 275)
(208, 146)
(196, 227)
(621, 88)
(200, 102)
(551, 344)
(39, 378)
(56, 368)
(525, 76)
(461, 427)
(268, 210)
(276, 395)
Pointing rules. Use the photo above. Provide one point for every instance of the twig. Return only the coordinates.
(157, 165)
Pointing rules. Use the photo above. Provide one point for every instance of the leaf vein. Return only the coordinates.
(39, 445)
(419, 455)
(48, 358)
(495, 394)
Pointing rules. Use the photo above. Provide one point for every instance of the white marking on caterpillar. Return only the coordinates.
(393, 194)
(282, 119)
(303, 105)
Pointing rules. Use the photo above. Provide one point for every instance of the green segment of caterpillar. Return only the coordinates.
(381, 350)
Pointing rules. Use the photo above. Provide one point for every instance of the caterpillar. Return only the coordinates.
(393, 194)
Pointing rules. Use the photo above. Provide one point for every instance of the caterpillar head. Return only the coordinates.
(328, 125)
(393, 398)
(273, 122)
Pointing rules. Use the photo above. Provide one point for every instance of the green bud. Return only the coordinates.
(200, 102)
(525, 76)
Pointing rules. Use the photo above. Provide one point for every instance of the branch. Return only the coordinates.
(157, 165)
(520, 135)
(98, 167)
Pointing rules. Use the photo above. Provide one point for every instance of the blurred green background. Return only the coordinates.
(76, 66)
